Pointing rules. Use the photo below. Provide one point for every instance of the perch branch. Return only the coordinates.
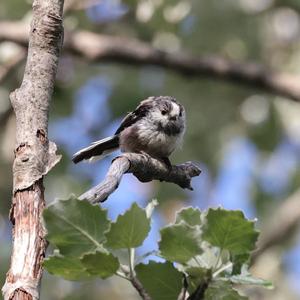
(99, 47)
(145, 168)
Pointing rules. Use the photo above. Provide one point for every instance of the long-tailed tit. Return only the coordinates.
(155, 127)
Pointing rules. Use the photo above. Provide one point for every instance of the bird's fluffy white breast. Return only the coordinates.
(147, 132)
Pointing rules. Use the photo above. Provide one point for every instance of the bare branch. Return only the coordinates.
(184, 291)
(98, 47)
(34, 153)
(145, 168)
(284, 221)
(17, 32)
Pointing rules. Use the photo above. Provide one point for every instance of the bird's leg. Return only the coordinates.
(144, 153)
(165, 159)
(167, 162)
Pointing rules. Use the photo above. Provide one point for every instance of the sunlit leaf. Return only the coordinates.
(130, 229)
(180, 242)
(230, 230)
(190, 215)
(75, 227)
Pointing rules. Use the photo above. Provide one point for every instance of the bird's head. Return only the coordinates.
(168, 114)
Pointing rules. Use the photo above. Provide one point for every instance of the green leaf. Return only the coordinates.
(249, 280)
(220, 290)
(190, 215)
(196, 276)
(75, 227)
(238, 262)
(207, 260)
(130, 229)
(161, 280)
(230, 230)
(100, 264)
(180, 242)
(69, 268)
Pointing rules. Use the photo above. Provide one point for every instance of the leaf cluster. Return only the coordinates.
(205, 253)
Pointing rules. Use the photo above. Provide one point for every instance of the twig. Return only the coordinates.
(139, 287)
(98, 47)
(135, 282)
(145, 168)
(183, 293)
(199, 292)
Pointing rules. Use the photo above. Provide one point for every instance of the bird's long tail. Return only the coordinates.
(97, 150)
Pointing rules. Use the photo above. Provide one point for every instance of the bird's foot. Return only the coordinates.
(144, 153)
(167, 162)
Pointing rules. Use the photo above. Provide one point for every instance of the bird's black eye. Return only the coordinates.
(163, 112)
(180, 114)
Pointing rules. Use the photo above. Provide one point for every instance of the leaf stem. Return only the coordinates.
(135, 283)
(218, 259)
(215, 274)
(131, 255)
(197, 258)
(122, 275)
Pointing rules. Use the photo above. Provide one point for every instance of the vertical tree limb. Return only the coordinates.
(34, 153)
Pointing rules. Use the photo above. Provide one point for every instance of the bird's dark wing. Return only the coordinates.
(136, 115)
(102, 147)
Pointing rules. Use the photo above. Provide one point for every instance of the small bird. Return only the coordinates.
(155, 127)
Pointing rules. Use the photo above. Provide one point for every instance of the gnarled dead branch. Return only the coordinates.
(145, 168)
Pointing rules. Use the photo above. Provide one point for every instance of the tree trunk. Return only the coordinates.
(35, 155)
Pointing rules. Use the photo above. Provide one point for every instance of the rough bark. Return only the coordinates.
(34, 153)
(145, 168)
(99, 47)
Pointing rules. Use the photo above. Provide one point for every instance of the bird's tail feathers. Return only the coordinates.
(97, 150)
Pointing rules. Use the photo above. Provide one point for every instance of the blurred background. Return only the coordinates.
(246, 140)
